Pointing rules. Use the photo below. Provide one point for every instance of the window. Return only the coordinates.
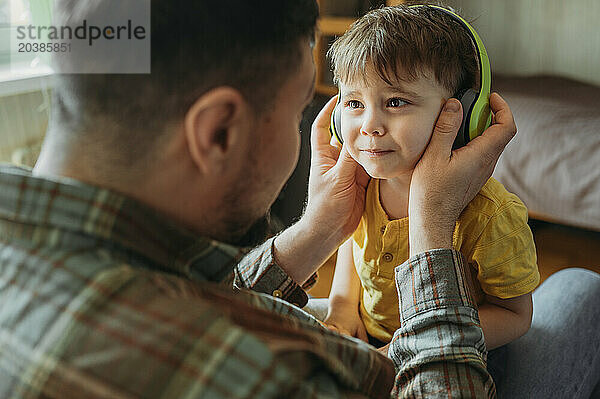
(14, 13)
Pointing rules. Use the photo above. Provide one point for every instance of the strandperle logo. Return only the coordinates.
(82, 36)
(90, 33)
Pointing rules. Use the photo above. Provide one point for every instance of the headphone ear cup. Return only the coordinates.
(467, 99)
(335, 128)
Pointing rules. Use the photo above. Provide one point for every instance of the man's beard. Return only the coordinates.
(257, 233)
(244, 226)
(241, 226)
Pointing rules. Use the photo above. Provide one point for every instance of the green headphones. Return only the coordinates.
(477, 115)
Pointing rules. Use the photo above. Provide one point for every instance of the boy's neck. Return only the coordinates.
(393, 196)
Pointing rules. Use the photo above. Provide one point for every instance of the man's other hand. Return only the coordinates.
(337, 184)
(445, 181)
(336, 200)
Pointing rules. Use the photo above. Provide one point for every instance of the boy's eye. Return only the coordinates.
(353, 104)
(396, 102)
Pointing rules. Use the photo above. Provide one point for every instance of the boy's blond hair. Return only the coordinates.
(402, 44)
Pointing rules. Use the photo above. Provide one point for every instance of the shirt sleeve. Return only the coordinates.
(505, 254)
(259, 271)
(439, 351)
(241, 344)
(248, 344)
(161, 336)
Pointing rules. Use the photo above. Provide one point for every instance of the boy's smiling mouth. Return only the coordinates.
(375, 152)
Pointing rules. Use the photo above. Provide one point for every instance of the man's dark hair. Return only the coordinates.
(196, 45)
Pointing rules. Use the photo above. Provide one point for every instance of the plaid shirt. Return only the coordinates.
(102, 297)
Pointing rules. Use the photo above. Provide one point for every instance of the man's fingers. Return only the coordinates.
(332, 328)
(384, 350)
(335, 143)
(504, 120)
(345, 164)
(362, 177)
(501, 110)
(320, 128)
(361, 333)
(497, 136)
(446, 127)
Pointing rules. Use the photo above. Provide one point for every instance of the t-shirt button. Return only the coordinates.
(388, 257)
(277, 294)
(382, 229)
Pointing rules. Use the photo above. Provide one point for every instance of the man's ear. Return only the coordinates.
(212, 127)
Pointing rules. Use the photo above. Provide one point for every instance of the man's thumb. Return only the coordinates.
(447, 125)
(346, 165)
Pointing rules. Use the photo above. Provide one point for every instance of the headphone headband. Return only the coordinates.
(482, 55)
(479, 115)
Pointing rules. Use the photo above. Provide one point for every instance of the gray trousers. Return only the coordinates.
(559, 357)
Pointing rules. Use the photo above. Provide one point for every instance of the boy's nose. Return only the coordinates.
(372, 127)
(371, 133)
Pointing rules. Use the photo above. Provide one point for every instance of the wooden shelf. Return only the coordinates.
(326, 90)
(328, 26)
(334, 26)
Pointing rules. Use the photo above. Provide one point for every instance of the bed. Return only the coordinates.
(553, 164)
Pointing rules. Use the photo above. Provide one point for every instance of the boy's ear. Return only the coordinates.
(212, 127)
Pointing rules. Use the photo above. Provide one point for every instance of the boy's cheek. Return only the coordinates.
(351, 135)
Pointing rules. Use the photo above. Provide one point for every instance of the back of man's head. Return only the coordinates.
(196, 45)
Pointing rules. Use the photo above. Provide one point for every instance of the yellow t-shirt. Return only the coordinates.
(492, 233)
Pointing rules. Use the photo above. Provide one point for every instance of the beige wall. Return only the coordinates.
(523, 37)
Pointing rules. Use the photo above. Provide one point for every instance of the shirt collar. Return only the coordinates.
(67, 204)
(375, 210)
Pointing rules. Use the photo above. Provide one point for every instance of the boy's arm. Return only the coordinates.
(345, 295)
(504, 320)
(345, 288)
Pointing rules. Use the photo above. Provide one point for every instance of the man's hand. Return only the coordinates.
(337, 183)
(445, 181)
(336, 200)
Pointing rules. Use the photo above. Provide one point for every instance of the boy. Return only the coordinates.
(396, 67)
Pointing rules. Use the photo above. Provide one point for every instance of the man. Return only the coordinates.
(120, 251)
